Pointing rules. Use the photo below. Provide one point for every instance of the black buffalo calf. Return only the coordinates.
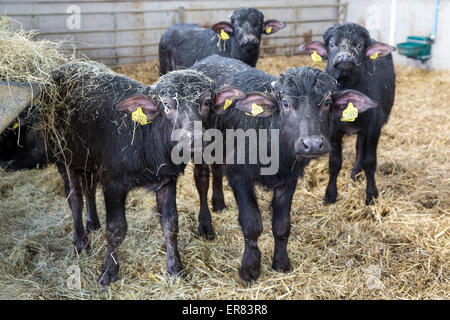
(225, 71)
(120, 133)
(22, 147)
(295, 109)
(360, 63)
(184, 44)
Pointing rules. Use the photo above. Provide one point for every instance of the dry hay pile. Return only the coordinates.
(25, 60)
(397, 248)
(22, 59)
(142, 72)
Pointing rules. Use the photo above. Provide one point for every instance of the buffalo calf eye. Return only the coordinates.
(208, 103)
(359, 46)
(332, 45)
(328, 102)
(285, 104)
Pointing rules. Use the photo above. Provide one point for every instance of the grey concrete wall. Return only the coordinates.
(119, 32)
(410, 17)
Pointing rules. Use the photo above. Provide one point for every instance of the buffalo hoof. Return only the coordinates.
(206, 230)
(218, 204)
(370, 196)
(355, 174)
(330, 197)
(281, 264)
(92, 225)
(251, 265)
(81, 243)
(108, 275)
(174, 268)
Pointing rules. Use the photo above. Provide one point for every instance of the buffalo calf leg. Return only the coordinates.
(89, 182)
(281, 224)
(218, 202)
(166, 201)
(116, 229)
(334, 167)
(251, 224)
(74, 197)
(357, 167)
(201, 176)
(370, 166)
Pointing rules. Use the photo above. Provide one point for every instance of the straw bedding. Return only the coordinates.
(336, 251)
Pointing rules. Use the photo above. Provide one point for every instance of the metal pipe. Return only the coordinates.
(102, 31)
(435, 21)
(312, 6)
(153, 44)
(392, 22)
(90, 12)
(173, 10)
(161, 28)
(127, 56)
(112, 47)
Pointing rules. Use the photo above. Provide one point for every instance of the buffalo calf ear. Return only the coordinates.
(310, 47)
(223, 25)
(272, 26)
(225, 98)
(379, 49)
(19, 123)
(257, 104)
(360, 101)
(131, 104)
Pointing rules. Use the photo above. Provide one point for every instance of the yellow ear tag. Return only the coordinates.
(374, 56)
(15, 125)
(269, 30)
(256, 109)
(350, 113)
(315, 57)
(139, 117)
(223, 35)
(228, 103)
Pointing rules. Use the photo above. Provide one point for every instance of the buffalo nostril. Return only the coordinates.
(306, 145)
(321, 145)
(312, 145)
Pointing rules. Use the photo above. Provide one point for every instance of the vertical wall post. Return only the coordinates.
(180, 15)
(295, 29)
(342, 12)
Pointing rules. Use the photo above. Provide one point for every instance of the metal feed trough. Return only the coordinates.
(418, 47)
(14, 98)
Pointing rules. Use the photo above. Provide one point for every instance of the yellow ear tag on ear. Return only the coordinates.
(374, 56)
(350, 113)
(228, 103)
(139, 117)
(269, 30)
(256, 109)
(223, 35)
(15, 125)
(315, 57)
